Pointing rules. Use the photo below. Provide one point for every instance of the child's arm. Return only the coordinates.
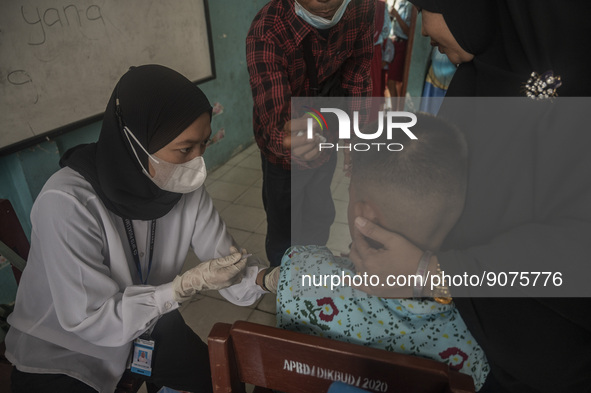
(269, 278)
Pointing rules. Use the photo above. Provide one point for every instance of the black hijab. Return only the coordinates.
(157, 104)
(511, 39)
(470, 21)
(540, 36)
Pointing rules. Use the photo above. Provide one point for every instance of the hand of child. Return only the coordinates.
(396, 257)
(271, 279)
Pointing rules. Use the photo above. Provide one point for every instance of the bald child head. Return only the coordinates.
(417, 192)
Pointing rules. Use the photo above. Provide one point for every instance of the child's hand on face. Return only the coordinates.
(397, 256)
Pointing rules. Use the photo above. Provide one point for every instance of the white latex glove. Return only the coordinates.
(214, 274)
(271, 278)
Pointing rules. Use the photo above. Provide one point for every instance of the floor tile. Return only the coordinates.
(242, 176)
(251, 197)
(237, 159)
(339, 239)
(215, 295)
(340, 157)
(256, 245)
(209, 181)
(218, 172)
(268, 303)
(339, 174)
(346, 180)
(253, 150)
(243, 217)
(262, 229)
(220, 205)
(239, 235)
(203, 313)
(195, 298)
(253, 162)
(218, 296)
(225, 191)
(341, 192)
(333, 187)
(341, 211)
(263, 318)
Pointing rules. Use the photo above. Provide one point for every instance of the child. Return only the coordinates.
(418, 192)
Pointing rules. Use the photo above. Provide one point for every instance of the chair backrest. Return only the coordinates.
(293, 362)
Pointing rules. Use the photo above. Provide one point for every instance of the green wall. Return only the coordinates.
(23, 174)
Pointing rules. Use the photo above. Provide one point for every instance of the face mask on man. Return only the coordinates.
(180, 178)
(318, 21)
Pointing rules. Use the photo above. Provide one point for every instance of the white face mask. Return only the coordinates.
(318, 21)
(180, 178)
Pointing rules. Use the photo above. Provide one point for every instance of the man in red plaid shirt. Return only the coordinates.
(340, 35)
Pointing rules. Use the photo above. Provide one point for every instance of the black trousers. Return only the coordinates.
(180, 361)
(299, 206)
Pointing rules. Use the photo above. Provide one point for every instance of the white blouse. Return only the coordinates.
(80, 302)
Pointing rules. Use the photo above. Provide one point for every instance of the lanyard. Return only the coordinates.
(133, 245)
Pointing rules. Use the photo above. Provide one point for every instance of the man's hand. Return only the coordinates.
(301, 147)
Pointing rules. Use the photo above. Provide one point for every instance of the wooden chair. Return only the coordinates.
(272, 358)
(13, 236)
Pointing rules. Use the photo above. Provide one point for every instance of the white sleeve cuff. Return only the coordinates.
(164, 298)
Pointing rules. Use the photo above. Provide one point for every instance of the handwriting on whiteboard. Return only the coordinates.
(70, 15)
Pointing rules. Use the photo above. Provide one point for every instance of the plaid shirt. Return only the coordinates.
(277, 69)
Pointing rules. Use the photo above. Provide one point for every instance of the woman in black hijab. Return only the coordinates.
(111, 231)
(528, 203)
(510, 40)
(156, 104)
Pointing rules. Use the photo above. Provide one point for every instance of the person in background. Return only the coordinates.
(111, 231)
(303, 48)
(400, 13)
(383, 25)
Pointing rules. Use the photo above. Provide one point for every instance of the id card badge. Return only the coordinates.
(143, 348)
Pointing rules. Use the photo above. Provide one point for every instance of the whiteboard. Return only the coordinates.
(60, 59)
